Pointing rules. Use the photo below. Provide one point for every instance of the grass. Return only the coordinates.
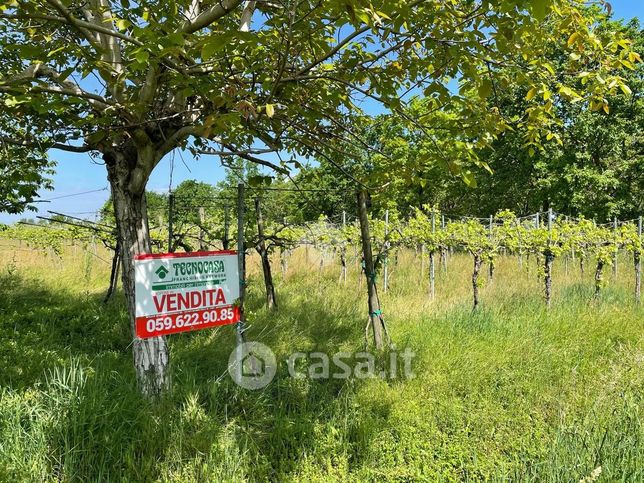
(513, 392)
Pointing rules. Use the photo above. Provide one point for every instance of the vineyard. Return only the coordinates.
(434, 236)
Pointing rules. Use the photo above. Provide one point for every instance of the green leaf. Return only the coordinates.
(531, 94)
(485, 88)
(211, 48)
(469, 179)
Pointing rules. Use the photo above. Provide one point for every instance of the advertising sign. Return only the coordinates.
(180, 292)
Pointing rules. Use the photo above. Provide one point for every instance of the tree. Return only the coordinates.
(22, 173)
(132, 81)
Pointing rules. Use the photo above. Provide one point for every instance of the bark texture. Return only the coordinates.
(375, 313)
(478, 262)
(549, 259)
(599, 278)
(128, 195)
(271, 300)
(638, 276)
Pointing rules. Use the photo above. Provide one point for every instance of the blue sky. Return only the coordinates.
(76, 173)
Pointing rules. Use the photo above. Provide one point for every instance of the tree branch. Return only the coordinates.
(77, 22)
(68, 88)
(214, 13)
(247, 15)
(59, 146)
(245, 155)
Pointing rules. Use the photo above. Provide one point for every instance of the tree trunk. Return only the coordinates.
(549, 258)
(490, 273)
(638, 275)
(128, 196)
(422, 260)
(271, 300)
(375, 313)
(114, 273)
(478, 261)
(284, 254)
(443, 255)
(599, 277)
(582, 259)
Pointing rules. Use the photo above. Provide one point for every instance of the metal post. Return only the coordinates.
(241, 262)
(343, 254)
(386, 257)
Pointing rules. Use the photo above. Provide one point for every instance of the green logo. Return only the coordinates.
(162, 272)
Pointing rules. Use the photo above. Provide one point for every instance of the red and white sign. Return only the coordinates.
(180, 292)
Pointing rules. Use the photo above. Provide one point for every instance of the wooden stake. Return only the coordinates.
(638, 262)
(617, 246)
(343, 252)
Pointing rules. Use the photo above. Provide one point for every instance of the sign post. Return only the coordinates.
(181, 292)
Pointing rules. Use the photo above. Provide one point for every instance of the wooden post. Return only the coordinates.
(202, 232)
(432, 269)
(114, 274)
(491, 265)
(375, 314)
(475, 279)
(549, 258)
(343, 253)
(241, 262)
(442, 248)
(271, 301)
(385, 278)
(617, 247)
(422, 261)
(170, 222)
(638, 262)
(519, 246)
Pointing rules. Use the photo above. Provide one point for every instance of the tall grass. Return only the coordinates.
(512, 392)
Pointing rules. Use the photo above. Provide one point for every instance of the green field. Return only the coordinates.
(512, 392)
